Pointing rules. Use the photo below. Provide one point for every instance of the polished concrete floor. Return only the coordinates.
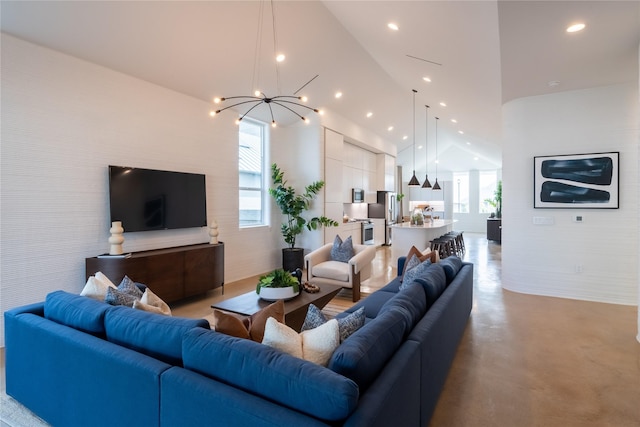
(528, 360)
(524, 360)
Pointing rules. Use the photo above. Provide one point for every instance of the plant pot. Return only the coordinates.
(274, 294)
(292, 258)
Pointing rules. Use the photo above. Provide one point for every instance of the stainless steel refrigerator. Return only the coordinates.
(385, 208)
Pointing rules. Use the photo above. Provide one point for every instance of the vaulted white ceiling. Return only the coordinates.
(478, 54)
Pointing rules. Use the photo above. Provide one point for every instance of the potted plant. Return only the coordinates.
(279, 284)
(399, 198)
(293, 206)
(496, 202)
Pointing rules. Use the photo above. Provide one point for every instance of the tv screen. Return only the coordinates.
(147, 199)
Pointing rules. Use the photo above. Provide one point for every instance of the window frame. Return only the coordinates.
(263, 187)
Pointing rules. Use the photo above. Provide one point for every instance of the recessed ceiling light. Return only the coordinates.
(461, 132)
(419, 147)
(575, 27)
(468, 143)
(426, 79)
(444, 104)
(553, 83)
(393, 26)
(404, 137)
(454, 121)
(390, 128)
(280, 57)
(475, 158)
(369, 114)
(338, 94)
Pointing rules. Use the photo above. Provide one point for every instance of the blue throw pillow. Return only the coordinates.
(347, 325)
(412, 262)
(451, 265)
(342, 251)
(414, 273)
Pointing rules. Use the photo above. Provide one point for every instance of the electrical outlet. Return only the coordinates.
(577, 218)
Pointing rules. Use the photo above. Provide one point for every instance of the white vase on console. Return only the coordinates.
(116, 238)
(213, 232)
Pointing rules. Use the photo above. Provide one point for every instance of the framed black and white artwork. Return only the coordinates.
(576, 181)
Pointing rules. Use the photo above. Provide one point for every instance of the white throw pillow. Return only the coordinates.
(315, 345)
(149, 298)
(138, 305)
(104, 279)
(95, 288)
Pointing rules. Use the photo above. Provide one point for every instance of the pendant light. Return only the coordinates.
(436, 186)
(426, 184)
(414, 181)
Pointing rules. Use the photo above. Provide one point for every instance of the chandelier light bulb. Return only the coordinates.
(212, 113)
(575, 27)
(303, 99)
(273, 123)
(217, 100)
(306, 120)
(338, 94)
(238, 120)
(280, 57)
(257, 93)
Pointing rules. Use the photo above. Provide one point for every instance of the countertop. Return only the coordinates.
(436, 223)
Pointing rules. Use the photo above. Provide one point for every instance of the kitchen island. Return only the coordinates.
(406, 235)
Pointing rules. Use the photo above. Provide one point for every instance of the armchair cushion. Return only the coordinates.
(335, 270)
(342, 251)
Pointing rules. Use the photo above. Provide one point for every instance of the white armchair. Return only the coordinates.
(321, 269)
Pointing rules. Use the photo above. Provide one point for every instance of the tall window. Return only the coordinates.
(461, 192)
(486, 191)
(251, 172)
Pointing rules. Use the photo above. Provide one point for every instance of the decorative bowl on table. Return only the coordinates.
(279, 284)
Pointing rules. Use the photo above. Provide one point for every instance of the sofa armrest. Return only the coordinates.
(363, 257)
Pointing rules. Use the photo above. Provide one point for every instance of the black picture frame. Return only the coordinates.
(577, 181)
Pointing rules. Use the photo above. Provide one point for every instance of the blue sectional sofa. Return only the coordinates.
(75, 361)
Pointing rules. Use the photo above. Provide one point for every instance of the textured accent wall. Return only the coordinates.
(597, 259)
(63, 121)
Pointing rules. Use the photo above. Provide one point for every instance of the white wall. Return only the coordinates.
(63, 122)
(542, 259)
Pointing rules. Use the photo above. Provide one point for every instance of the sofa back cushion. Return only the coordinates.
(153, 334)
(451, 265)
(411, 302)
(270, 373)
(433, 282)
(79, 312)
(363, 354)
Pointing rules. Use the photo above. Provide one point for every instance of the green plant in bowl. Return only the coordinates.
(278, 279)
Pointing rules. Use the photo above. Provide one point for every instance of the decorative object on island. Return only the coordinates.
(279, 284)
(426, 183)
(286, 102)
(577, 181)
(496, 202)
(293, 206)
(117, 239)
(213, 232)
(436, 186)
(417, 218)
(414, 181)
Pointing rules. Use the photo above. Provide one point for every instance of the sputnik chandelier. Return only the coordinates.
(287, 102)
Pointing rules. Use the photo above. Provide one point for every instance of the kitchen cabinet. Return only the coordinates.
(386, 172)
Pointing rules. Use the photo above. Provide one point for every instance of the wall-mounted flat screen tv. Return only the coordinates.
(147, 199)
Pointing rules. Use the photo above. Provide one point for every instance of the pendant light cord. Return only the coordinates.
(414, 130)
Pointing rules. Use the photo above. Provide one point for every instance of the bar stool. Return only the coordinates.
(459, 241)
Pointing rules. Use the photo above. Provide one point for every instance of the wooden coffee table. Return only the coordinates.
(295, 309)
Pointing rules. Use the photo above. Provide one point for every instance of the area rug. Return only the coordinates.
(14, 414)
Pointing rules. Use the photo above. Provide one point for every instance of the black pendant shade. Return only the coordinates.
(414, 181)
